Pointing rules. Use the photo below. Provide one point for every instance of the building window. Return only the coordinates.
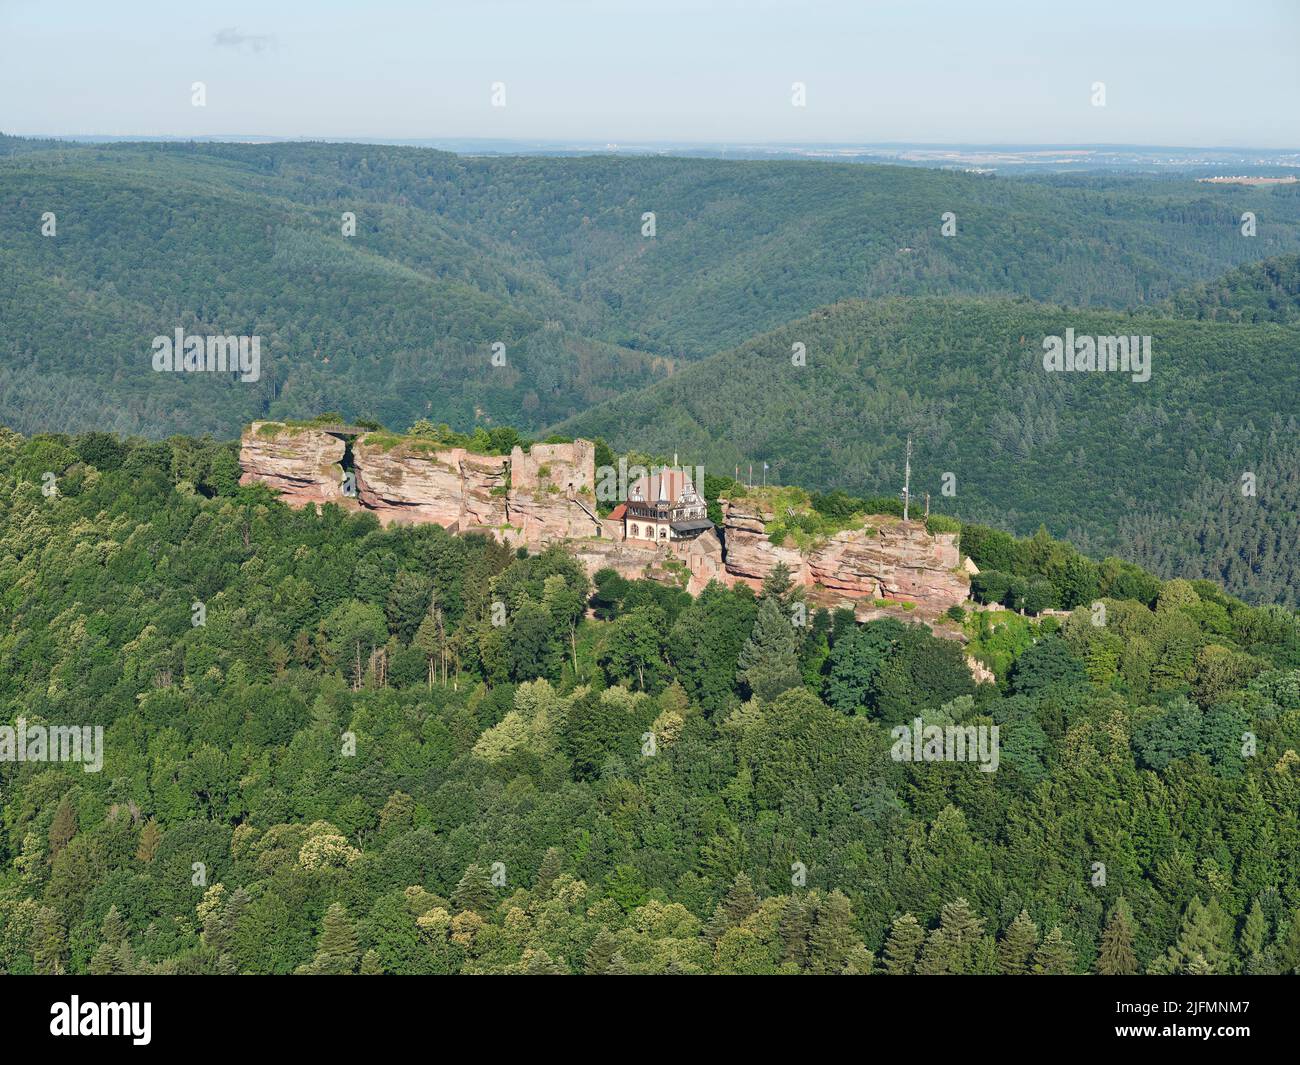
(663, 533)
(635, 532)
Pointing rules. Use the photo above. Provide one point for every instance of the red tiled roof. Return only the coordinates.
(617, 513)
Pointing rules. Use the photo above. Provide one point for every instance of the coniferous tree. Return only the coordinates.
(1254, 933)
(832, 938)
(63, 827)
(950, 949)
(903, 946)
(1288, 948)
(551, 866)
(600, 954)
(795, 928)
(150, 837)
(769, 662)
(1017, 946)
(1115, 955)
(473, 891)
(1054, 956)
(618, 966)
(737, 904)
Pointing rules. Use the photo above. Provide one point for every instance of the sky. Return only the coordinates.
(1175, 72)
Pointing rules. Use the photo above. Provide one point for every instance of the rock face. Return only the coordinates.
(691, 566)
(751, 556)
(891, 560)
(303, 465)
(530, 499)
(451, 487)
(547, 496)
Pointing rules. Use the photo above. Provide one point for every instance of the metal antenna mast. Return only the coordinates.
(907, 479)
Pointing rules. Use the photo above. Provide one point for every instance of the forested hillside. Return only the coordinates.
(1267, 291)
(544, 255)
(1152, 471)
(321, 755)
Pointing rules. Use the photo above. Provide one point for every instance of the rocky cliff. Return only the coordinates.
(547, 495)
(889, 559)
(529, 499)
(408, 482)
(303, 465)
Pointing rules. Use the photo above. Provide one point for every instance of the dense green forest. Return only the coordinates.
(544, 255)
(334, 748)
(658, 343)
(1150, 470)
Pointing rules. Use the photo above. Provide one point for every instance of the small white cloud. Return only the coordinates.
(247, 42)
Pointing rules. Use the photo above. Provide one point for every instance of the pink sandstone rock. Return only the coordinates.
(301, 464)
(409, 483)
(891, 559)
(551, 499)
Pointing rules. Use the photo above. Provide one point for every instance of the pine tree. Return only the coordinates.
(63, 827)
(1016, 949)
(473, 891)
(431, 640)
(539, 963)
(1254, 934)
(1055, 957)
(903, 946)
(832, 938)
(150, 837)
(950, 949)
(1115, 955)
(48, 943)
(339, 939)
(737, 904)
(113, 957)
(1207, 932)
(600, 954)
(796, 924)
(371, 965)
(860, 961)
(1288, 948)
(937, 956)
(618, 966)
(551, 867)
(777, 583)
(769, 661)
(113, 929)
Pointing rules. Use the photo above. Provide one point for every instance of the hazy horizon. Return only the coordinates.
(1191, 74)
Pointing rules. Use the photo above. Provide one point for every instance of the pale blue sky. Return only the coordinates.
(1177, 72)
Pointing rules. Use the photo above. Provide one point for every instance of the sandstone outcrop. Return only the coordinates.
(303, 465)
(410, 483)
(889, 560)
(751, 556)
(691, 566)
(547, 495)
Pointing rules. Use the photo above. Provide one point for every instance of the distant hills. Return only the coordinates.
(1154, 471)
(543, 255)
(681, 340)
